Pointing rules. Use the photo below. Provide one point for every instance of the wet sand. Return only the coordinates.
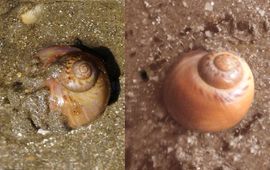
(30, 138)
(157, 33)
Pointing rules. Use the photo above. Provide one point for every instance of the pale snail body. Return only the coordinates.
(209, 91)
(78, 83)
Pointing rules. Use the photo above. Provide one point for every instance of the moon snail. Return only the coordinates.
(78, 83)
(208, 91)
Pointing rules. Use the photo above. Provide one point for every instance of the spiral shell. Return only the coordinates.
(209, 91)
(78, 83)
(79, 72)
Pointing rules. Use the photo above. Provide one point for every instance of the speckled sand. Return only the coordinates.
(26, 146)
(157, 33)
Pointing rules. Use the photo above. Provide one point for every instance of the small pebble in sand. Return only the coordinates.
(199, 28)
(32, 16)
(43, 132)
(134, 81)
(208, 34)
(170, 149)
(261, 12)
(209, 6)
(155, 78)
(1, 44)
(19, 74)
(185, 4)
(130, 94)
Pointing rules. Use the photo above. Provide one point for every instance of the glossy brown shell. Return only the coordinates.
(209, 93)
(78, 83)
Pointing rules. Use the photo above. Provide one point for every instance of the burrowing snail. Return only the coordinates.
(209, 91)
(78, 83)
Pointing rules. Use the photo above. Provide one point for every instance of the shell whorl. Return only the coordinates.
(82, 69)
(79, 73)
(221, 70)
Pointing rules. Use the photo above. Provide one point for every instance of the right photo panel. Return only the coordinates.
(197, 77)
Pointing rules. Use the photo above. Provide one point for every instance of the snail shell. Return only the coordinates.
(208, 91)
(78, 83)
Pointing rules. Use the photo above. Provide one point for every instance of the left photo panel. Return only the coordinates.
(62, 84)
